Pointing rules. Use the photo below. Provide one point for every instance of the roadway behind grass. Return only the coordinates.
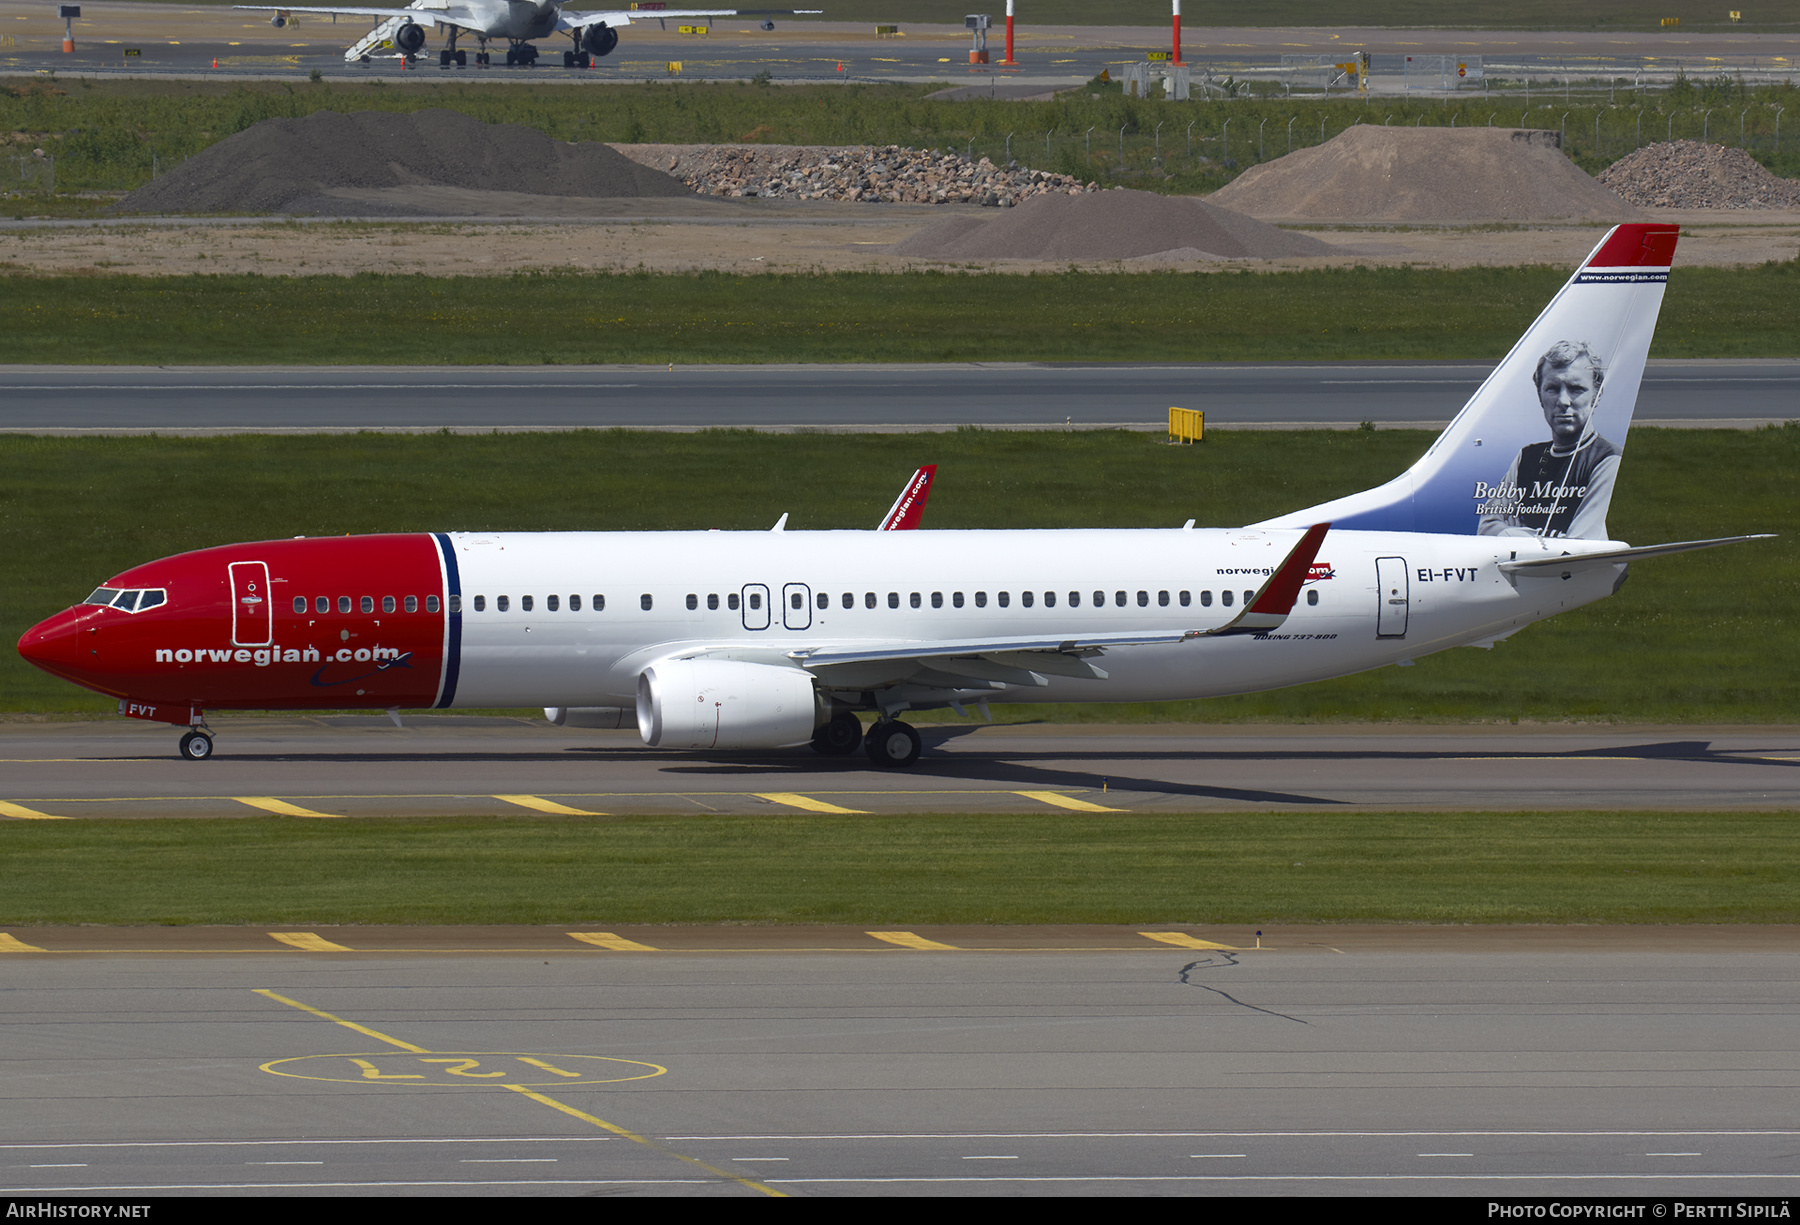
(1621, 867)
(1704, 637)
(1335, 314)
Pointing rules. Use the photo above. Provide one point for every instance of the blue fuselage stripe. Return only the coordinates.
(453, 611)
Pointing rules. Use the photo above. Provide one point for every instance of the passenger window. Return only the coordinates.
(1003, 599)
(524, 603)
(693, 602)
(1025, 598)
(322, 604)
(731, 601)
(1186, 598)
(412, 603)
(914, 599)
(502, 603)
(644, 601)
(480, 603)
(1225, 598)
(868, 599)
(893, 599)
(1143, 599)
(1099, 599)
(850, 599)
(755, 600)
(1074, 599)
(299, 603)
(712, 601)
(431, 604)
(343, 604)
(599, 603)
(368, 603)
(937, 599)
(1162, 599)
(798, 601)
(1248, 597)
(1312, 597)
(551, 603)
(1206, 599)
(574, 603)
(981, 599)
(387, 604)
(956, 598)
(824, 600)
(1119, 598)
(1049, 599)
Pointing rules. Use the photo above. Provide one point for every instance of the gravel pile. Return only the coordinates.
(1374, 173)
(1118, 224)
(871, 174)
(294, 166)
(1688, 174)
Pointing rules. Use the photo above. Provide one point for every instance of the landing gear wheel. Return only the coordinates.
(512, 57)
(443, 59)
(892, 744)
(840, 737)
(462, 59)
(568, 59)
(584, 60)
(196, 746)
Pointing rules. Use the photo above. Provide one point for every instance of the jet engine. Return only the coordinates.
(410, 37)
(279, 19)
(725, 704)
(600, 39)
(768, 25)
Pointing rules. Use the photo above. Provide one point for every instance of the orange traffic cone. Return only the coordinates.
(215, 61)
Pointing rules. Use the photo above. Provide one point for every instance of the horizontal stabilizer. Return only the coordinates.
(1580, 561)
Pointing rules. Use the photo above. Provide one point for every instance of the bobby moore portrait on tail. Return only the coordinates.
(780, 639)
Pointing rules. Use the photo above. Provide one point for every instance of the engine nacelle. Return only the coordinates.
(278, 20)
(590, 716)
(724, 704)
(410, 37)
(768, 25)
(600, 39)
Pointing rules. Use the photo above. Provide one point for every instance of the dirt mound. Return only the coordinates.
(1688, 174)
(1107, 225)
(297, 166)
(1371, 173)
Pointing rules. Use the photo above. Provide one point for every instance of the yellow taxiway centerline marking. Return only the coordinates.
(607, 940)
(550, 806)
(907, 940)
(614, 1128)
(12, 944)
(361, 1029)
(27, 814)
(807, 803)
(1182, 940)
(1065, 801)
(625, 1133)
(281, 808)
(307, 942)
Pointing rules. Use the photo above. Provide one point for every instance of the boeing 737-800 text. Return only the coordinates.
(765, 640)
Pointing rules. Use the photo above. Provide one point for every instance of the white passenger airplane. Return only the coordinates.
(765, 640)
(515, 22)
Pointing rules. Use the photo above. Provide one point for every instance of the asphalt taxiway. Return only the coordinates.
(1003, 395)
(354, 766)
(1443, 1062)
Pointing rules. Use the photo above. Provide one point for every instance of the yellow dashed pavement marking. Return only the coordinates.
(1182, 940)
(794, 800)
(607, 940)
(1065, 801)
(12, 944)
(310, 943)
(550, 806)
(27, 814)
(281, 808)
(907, 940)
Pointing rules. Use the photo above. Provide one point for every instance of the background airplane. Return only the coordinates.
(516, 22)
(760, 640)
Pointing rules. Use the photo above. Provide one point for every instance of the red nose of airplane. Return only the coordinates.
(55, 643)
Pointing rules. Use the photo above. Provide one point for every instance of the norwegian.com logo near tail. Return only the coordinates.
(1536, 450)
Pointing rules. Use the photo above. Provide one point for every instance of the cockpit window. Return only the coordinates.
(128, 601)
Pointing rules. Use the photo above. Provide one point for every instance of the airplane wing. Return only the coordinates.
(622, 17)
(904, 514)
(1000, 662)
(446, 14)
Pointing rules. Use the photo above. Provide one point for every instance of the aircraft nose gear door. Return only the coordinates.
(796, 606)
(251, 618)
(756, 607)
(1390, 581)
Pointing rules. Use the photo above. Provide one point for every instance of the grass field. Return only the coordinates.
(112, 135)
(1332, 314)
(1701, 637)
(1556, 867)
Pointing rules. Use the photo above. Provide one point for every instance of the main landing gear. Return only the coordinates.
(197, 745)
(892, 743)
(522, 54)
(840, 737)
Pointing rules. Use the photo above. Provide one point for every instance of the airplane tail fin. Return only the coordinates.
(1535, 451)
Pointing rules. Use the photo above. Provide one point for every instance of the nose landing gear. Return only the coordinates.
(197, 745)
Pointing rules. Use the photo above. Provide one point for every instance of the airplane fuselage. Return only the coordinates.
(574, 619)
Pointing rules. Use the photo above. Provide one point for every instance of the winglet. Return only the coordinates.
(904, 514)
(1271, 606)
